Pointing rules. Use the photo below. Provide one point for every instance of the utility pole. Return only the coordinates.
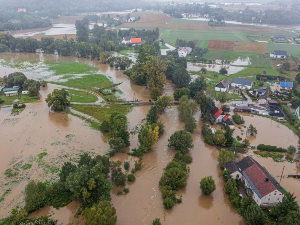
(281, 174)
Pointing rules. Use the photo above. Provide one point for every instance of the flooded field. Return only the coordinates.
(63, 137)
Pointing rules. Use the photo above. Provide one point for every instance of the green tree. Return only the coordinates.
(35, 195)
(222, 96)
(190, 125)
(15, 79)
(181, 77)
(207, 185)
(238, 119)
(82, 30)
(196, 86)
(145, 53)
(116, 144)
(287, 205)
(203, 70)
(155, 93)
(295, 101)
(152, 115)
(148, 136)
(101, 214)
(292, 218)
(164, 102)
(223, 71)
(58, 100)
(297, 78)
(228, 135)
(181, 140)
(219, 138)
(206, 103)
(186, 108)
(154, 69)
(156, 221)
(230, 185)
(174, 177)
(291, 149)
(66, 169)
(179, 92)
(225, 156)
(246, 142)
(117, 176)
(251, 130)
(254, 215)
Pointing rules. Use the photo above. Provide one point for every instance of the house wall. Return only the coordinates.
(220, 89)
(236, 175)
(277, 56)
(271, 199)
(240, 86)
(219, 119)
(182, 54)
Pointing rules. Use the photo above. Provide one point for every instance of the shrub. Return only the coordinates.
(131, 177)
(126, 190)
(230, 185)
(168, 203)
(291, 149)
(156, 221)
(238, 119)
(207, 185)
(126, 166)
(270, 148)
(35, 195)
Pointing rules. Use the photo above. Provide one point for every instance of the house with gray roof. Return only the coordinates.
(241, 83)
(257, 181)
(223, 85)
(277, 54)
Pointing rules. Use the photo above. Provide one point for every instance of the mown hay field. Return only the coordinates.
(250, 47)
(221, 45)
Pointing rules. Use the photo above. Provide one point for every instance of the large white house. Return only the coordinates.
(184, 51)
(241, 83)
(278, 54)
(257, 181)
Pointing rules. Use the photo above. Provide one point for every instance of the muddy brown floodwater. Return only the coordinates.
(38, 130)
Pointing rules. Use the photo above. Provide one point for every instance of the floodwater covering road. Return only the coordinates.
(64, 137)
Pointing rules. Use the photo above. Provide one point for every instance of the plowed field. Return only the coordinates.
(221, 45)
(250, 47)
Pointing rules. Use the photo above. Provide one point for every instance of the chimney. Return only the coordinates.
(267, 179)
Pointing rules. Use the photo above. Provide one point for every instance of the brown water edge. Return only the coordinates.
(129, 89)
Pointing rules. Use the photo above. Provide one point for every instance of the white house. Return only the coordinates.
(25, 92)
(131, 19)
(21, 10)
(223, 85)
(278, 54)
(182, 52)
(257, 181)
(241, 83)
(127, 40)
(218, 116)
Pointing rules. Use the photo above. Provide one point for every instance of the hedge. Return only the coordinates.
(270, 148)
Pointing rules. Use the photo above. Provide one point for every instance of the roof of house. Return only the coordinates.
(223, 83)
(278, 52)
(258, 180)
(11, 92)
(231, 166)
(128, 38)
(279, 36)
(286, 84)
(272, 102)
(242, 108)
(225, 118)
(243, 82)
(228, 122)
(182, 49)
(214, 110)
(136, 40)
(10, 89)
(218, 113)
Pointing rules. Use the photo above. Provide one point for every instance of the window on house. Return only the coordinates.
(278, 199)
(275, 194)
(268, 199)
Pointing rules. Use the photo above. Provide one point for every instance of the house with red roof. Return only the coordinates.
(257, 181)
(136, 41)
(217, 115)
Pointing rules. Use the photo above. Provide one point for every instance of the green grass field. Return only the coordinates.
(88, 82)
(100, 113)
(24, 99)
(127, 52)
(64, 67)
(290, 48)
(203, 44)
(190, 35)
(81, 96)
